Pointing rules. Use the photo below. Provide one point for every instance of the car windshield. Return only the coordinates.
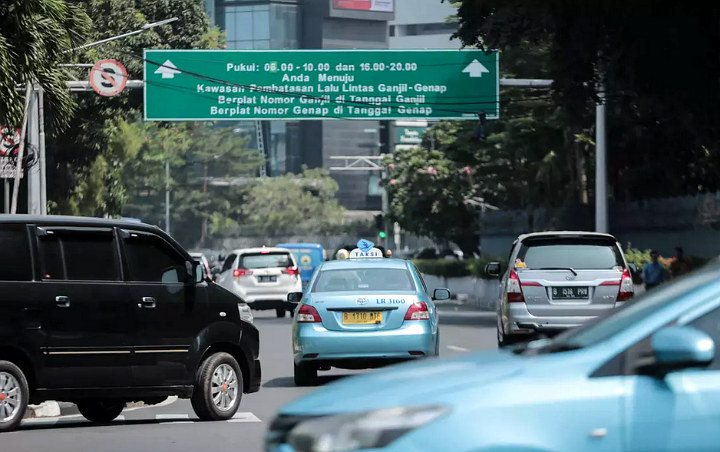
(575, 253)
(265, 260)
(364, 279)
(625, 317)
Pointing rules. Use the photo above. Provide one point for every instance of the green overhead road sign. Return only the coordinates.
(320, 84)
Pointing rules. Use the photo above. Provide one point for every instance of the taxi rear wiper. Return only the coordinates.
(557, 268)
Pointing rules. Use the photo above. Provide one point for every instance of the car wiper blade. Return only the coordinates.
(557, 268)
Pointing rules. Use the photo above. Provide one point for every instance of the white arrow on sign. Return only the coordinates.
(475, 69)
(167, 70)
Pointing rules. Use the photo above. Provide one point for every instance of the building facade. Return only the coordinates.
(313, 24)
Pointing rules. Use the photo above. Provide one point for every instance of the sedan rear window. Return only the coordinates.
(265, 260)
(576, 253)
(364, 279)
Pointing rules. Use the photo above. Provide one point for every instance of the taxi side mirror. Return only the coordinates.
(294, 297)
(441, 294)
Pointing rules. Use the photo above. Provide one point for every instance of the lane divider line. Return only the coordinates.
(458, 349)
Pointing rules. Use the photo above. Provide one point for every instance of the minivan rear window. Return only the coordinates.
(576, 253)
(265, 260)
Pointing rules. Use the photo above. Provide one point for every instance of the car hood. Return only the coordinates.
(427, 381)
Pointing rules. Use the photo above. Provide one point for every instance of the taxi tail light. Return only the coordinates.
(291, 271)
(308, 314)
(514, 291)
(627, 289)
(417, 311)
(238, 272)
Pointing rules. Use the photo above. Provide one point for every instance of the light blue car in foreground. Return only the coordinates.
(363, 312)
(646, 378)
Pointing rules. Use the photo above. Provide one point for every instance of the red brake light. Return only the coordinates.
(238, 272)
(308, 314)
(627, 289)
(417, 311)
(291, 271)
(514, 291)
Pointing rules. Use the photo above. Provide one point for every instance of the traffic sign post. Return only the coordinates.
(236, 85)
(108, 77)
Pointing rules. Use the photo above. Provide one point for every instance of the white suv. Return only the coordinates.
(262, 277)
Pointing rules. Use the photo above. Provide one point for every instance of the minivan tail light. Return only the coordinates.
(308, 314)
(417, 311)
(238, 272)
(627, 289)
(514, 291)
(291, 271)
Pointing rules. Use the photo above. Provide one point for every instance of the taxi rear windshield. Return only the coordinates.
(265, 260)
(364, 280)
(576, 253)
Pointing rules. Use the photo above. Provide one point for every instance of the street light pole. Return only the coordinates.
(601, 201)
(167, 196)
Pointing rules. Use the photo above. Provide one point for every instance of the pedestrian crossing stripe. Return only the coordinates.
(241, 417)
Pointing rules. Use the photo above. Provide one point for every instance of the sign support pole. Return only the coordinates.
(601, 201)
(6, 192)
(33, 171)
(42, 161)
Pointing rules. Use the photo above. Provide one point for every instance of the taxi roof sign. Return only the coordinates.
(365, 245)
(372, 253)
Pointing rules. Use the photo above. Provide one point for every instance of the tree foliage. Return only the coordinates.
(34, 34)
(79, 151)
(294, 204)
(659, 62)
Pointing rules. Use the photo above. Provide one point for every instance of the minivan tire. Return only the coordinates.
(100, 410)
(280, 313)
(8, 371)
(305, 374)
(203, 403)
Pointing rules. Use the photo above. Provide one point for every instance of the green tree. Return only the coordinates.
(33, 36)
(294, 204)
(77, 153)
(196, 152)
(660, 73)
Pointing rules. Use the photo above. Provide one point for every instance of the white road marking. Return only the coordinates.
(171, 417)
(458, 349)
(244, 417)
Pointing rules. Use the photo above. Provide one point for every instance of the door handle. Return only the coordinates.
(147, 302)
(62, 301)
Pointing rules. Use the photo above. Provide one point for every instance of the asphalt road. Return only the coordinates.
(173, 427)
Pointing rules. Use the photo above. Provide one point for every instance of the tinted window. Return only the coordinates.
(265, 260)
(229, 262)
(15, 253)
(365, 279)
(90, 257)
(574, 253)
(152, 259)
(51, 258)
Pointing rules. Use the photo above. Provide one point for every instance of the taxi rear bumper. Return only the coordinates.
(362, 349)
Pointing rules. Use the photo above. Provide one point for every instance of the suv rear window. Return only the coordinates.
(364, 279)
(576, 253)
(265, 260)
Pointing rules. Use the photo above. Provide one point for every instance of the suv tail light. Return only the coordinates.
(238, 272)
(308, 314)
(514, 291)
(627, 289)
(291, 271)
(417, 311)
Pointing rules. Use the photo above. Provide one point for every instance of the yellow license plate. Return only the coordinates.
(362, 318)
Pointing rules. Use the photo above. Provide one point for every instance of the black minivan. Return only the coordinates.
(104, 312)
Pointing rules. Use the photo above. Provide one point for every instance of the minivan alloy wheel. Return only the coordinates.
(224, 387)
(10, 397)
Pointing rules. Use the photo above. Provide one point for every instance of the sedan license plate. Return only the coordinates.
(362, 318)
(570, 293)
(267, 278)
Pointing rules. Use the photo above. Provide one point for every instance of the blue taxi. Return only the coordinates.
(363, 312)
(645, 378)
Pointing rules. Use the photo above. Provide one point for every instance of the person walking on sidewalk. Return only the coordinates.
(681, 265)
(653, 273)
